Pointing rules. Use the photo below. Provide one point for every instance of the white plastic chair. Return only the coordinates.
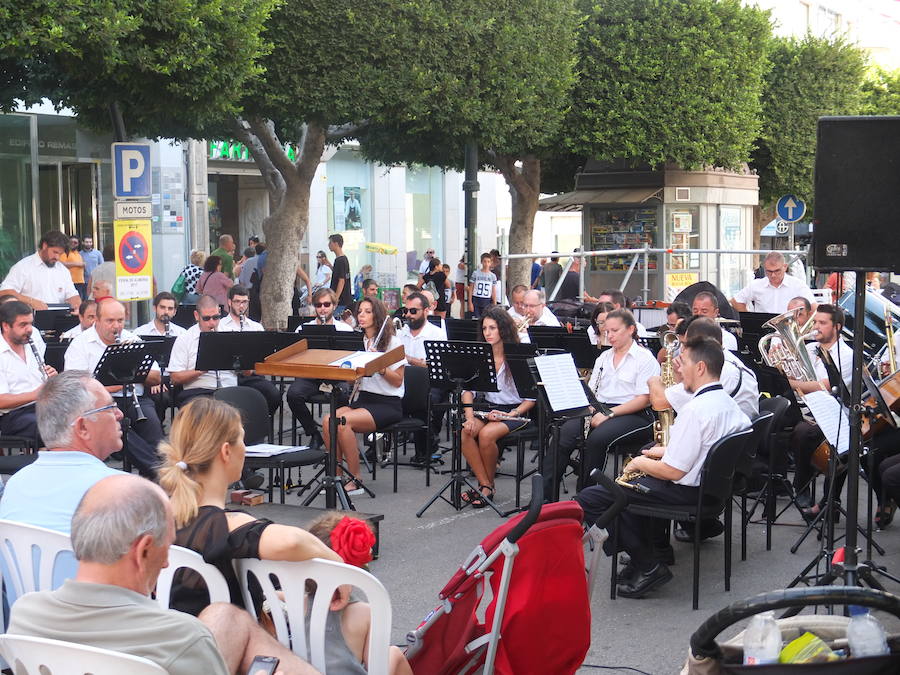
(29, 655)
(179, 558)
(328, 576)
(19, 544)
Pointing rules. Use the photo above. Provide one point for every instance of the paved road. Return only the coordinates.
(419, 555)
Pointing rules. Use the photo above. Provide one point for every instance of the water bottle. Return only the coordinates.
(762, 640)
(865, 634)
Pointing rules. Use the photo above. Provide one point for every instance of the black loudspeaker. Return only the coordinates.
(857, 188)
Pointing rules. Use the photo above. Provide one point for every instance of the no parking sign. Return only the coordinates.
(134, 259)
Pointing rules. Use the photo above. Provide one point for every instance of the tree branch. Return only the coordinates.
(265, 132)
(311, 149)
(271, 176)
(342, 131)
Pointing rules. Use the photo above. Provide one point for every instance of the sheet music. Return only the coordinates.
(356, 359)
(270, 450)
(559, 377)
(829, 414)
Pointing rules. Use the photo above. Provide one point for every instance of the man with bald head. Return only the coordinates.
(226, 253)
(121, 533)
(85, 353)
(183, 361)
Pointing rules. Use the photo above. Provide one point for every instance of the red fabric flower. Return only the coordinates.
(353, 539)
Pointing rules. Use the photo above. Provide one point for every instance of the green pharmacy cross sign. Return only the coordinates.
(231, 150)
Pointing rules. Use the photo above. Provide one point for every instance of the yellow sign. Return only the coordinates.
(386, 249)
(134, 259)
(682, 279)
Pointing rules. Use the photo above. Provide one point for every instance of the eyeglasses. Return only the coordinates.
(212, 317)
(321, 304)
(414, 310)
(245, 301)
(94, 411)
(773, 272)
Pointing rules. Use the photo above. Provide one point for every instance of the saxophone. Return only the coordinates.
(666, 416)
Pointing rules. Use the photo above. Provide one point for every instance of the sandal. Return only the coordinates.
(355, 490)
(885, 514)
(470, 497)
(480, 502)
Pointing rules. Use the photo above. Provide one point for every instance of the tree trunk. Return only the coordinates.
(524, 187)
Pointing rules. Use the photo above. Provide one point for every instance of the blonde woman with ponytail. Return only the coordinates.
(203, 456)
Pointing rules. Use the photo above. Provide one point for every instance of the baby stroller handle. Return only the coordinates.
(703, 641)
(618, 494)
(534, 509)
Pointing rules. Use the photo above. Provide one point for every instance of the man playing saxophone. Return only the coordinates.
(672, 472)
(619, 383)
(22, 371)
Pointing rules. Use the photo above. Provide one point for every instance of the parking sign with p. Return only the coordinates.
(131, 170)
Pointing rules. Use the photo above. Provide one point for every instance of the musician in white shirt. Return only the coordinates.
(413, 335)
(618, 300)
(40, 279)
(517, 304)
(164, 308)
(87, 314)
(85, 352)
(237, 321)
(479, 437)
(675, 478)
(597, 331)
(771, 294)
(707, 304)
(379, 400)
(21, 378)
(324, 302)
(619, 383)
(183, 361)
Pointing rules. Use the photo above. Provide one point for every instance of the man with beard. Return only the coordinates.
(40, 279)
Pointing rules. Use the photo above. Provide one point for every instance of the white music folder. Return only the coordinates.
(831, 417)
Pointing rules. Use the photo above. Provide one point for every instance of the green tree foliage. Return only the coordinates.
(881, 92)
(669, 81)
(809, 78)
(174, 67)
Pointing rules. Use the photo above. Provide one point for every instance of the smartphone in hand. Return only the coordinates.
(263, 665)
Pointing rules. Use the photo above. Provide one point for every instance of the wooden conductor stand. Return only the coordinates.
(299, 360)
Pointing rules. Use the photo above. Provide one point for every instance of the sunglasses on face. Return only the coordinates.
(214, 317)
(413, 310)
(321, 304)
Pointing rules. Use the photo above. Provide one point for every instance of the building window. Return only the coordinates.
(16, 217)
(350, 205)
(424, 216)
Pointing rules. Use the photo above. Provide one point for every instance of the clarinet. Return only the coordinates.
(167, 320)
(40, 361)
(140, 416)
(241, 319)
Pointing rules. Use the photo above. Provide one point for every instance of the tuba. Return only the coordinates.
(790, 357)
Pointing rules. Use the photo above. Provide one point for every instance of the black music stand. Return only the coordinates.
(462, 330)
(58, 320)
(577, 343)
(554, 419)
(463, 366)
(161, 348)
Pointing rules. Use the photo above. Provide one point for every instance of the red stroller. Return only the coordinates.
(526, 583)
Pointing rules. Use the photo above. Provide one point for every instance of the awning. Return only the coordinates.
(573, 201)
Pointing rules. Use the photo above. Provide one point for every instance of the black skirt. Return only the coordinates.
(512, 425)
(385, 410)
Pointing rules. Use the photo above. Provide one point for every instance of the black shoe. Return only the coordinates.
(804, 499)
(316, 442)
(253, 481)
(626, 573)
(810, 514)
(417, 462)
(644, 582)
(685, 533)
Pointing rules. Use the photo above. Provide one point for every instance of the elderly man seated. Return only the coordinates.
(121, 533)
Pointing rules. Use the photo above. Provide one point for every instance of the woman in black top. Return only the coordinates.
(435, 275)
(204, 455)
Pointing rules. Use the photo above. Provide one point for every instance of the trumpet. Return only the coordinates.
(40, 361)
(522, 325)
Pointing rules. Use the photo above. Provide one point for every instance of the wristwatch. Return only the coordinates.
(611, 414)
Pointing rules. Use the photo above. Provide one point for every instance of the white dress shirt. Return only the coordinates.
(841, 356)
(72, 333)
(85, 351)
(18, 376)
(150, 328)
(761, 296)
(184, 357)
(231, 325)
(729, 341)
(738, 381)
(620, 384)
(376, 384)
(31, 277)
(414, 345)
(507, 393)
(339, 326)
(708, 417)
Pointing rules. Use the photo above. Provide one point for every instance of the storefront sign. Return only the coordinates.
(678, 281)
(134, 259)
(237, 152)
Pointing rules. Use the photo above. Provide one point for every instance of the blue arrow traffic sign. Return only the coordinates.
(790, 208)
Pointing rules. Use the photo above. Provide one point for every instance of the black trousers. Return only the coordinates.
(265, 387)
(804, 440)
(889, 473)
(143, 436)
(21, 422)
(184, 396)
(301, 390)
(636, 429)
(639, 536)
(882, 447)
(436, 396)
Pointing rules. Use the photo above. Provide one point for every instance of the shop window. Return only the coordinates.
(424, 215)
(618, 229)
(683, 226)
(16, 217)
